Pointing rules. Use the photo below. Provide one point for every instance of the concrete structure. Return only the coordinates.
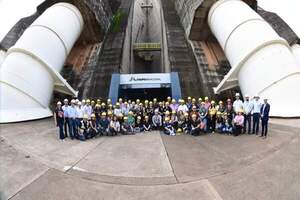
(262, 62)
(31, 69)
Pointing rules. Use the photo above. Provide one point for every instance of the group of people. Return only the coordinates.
(88, 118)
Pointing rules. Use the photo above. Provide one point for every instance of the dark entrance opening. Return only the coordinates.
(145, 93)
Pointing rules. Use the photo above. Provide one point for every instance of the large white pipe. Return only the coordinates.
(262, 62)
(30, 71)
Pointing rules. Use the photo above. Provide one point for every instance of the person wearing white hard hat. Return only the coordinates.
(248, 108)
(88, 110)
(237, 104)
(79, 113)
(264, 112)
(256, 114)
(71, 113)
(66, 118)
(59, 120)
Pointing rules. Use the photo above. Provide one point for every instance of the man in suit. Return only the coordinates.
(264, 113)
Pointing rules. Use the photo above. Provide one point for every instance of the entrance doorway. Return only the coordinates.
(145, 93)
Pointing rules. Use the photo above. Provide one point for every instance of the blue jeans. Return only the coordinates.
(72, 127)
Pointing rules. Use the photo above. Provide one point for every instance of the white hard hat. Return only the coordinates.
(77, 100)
(256, 95)
(79, 103)
(66, 100)
(59, 103)
(247, 96)
(73, 101)
(237, 94)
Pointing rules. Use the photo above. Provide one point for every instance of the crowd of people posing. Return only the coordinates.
(88, 118)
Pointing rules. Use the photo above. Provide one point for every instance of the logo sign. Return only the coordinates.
(155, 78)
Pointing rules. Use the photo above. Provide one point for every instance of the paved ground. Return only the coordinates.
(35, 165)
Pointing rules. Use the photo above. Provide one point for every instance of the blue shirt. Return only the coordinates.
(71, 112)
(256, 106)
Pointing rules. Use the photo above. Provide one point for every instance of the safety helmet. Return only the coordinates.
(88, 101)
(173, 101)
(186, 114)
(103, 114)
(212, 102)
(206, 98)
(179, 130)
(109, 113)
(130, 113)
(167, 119)
(189, 98)
(173, 112)
(66, 100)
(139, 117)
(93, 115)
(58, 103)
(167, 112)
(220, 102)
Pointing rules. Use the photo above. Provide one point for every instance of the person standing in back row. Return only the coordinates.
(264, 112)
(247, 107)
(256, 114)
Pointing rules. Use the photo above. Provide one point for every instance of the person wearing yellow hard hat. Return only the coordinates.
(93, 103)
(238, 122)
(219, 122)
(99, 101)
(103, 126)
(203, 112)
(131, 119)
(126, 128)
(88, 108)
(125, 108)
(174, 119)
(181, 120)
(207, 103)
(227, 124)
(168, 127)
(117, 109)
(174, 105)
(211, 118)
(189, 103)
(182, 107)
(221, 107)
(147, 124)
(138, 127)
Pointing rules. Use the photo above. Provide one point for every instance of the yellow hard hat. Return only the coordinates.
(146, 117)
(193, 100)
(173, 101)
(117, 104)
(173, 112)
(125, 118)
(200, 99)
(97, 105)
(93, 101)
(167, 119)
(88, 101)
(103, 104)
(212, 102)
(220, 102)
(189, 98)
(167, 112)
(103, 114)
(146, 101)
(179, 130)
(139, 117)
(186, 114)
(98, 100)
(93, 115)
(206, 98)
(120, 115)
(109, 113)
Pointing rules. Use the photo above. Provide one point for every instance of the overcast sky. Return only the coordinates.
(12, 10)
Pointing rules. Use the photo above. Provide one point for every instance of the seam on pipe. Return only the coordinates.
(23, 92)
(54, 74)
(235, 70)
(240, 25)
(74, 10)
(279, 80)
(57, 35)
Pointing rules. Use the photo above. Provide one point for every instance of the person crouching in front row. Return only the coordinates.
(83, 128)
(93, 131)
(103, 126)
(114, 126)
(195, 126)
(126, 128)
(139, 125)
(147, 124)
(168, 127)
(157, 120)
(238, 122)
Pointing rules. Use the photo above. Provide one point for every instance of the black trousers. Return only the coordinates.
(247, 123)
(264, 126)
(237, 130)
(256, 117)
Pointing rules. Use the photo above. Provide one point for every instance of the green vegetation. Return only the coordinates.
(116, 21)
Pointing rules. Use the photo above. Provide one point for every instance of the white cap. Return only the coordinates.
(247, 96)
(73, 101)
(256, 95)
(237, 94)
(59, 103)
(66, 100)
